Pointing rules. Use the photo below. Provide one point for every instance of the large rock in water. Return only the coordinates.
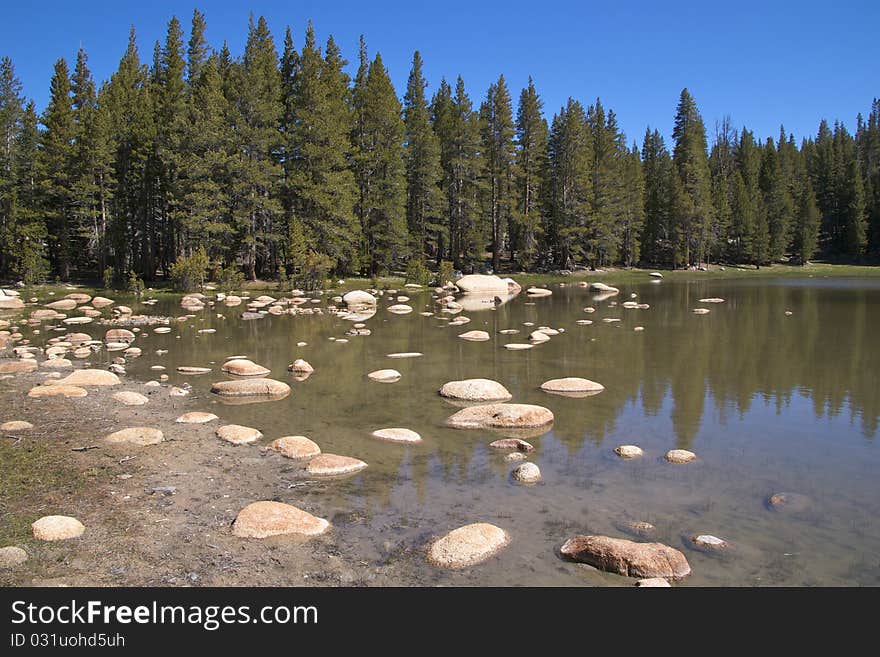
(251, 387)
(244, 367)
(467, 546)
(385, 376)
(142, 436)
(572, 386)
(397, 435)
(359, 298)
(474, 336)
(57, 528)
(501, 416)
(475, 390)
(90, 378)
(481, 284)
(618, 555)
(263, 519)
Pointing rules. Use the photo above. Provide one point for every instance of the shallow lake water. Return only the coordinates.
(769, 402)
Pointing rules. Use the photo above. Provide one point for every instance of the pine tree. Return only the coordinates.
(422, 158)
(320, 183)
(657, 245)
(851, 202)
(56, 164)
(692, 166)
(497, 132)
(458, 130)
(256, 214)
(569, 188)
(198, 50)
(11, 115)
(29, 236)
(632, 211)
(607, 193)
(806, 228)
(776, 203)
(531, 164)
(749, 234)
(383, 175)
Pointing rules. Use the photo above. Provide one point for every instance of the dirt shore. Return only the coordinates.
(176, 535)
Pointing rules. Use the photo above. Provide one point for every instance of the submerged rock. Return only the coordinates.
(193, 370)
(789, 502)
(628, 558)
(709, 543)
(57, 528)
(467, 546)
(501, 416)
(301, 366)
(267, 518)
(475, 390)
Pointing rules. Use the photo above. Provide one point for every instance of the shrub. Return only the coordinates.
(314, 270)
(109, 277)
(417, 272)
(230, 279)
(34, 267)
(135, 284)
(188, 272)
(446, 274)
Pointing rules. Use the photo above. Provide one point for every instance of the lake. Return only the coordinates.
(768, 401)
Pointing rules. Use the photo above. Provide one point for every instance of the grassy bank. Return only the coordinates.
(611, 276)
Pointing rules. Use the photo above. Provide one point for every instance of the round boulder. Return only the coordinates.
(384, 376)
(130, 398)
(136, 436)
(475, 390)
(501, 416)
(527, 473)
(333, 464)
(629, 451)
(680, 456)
(244, 367)
(295, 447)
(258, 387)
(196, 417)
(397, 435)
(57, 528)
(264, 519)
(572, 386)
(238, 434)
(467, 546)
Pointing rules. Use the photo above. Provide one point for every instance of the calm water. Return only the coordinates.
(768, 402)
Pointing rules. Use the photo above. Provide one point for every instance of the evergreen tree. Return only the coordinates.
(806, 229)
(320, 183)
(198, 50)
(458, 130)
(531, 164)
(569, 186)
(383, 173)
(607, 193)
(692, 166)
(632, 211)
(497, 131)
(749, 235)
(657, 237)
(422, 160)
(11, 115)
(776, 203)
(256, 208)
(56, 164)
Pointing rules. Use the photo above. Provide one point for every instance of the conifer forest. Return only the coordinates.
(276, 164)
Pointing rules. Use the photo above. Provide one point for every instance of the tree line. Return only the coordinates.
(278, 164)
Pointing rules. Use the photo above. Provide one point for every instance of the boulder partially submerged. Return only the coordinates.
(501, 416)
(467, 546)
(628, 558)
(477, 390)
(267, 518)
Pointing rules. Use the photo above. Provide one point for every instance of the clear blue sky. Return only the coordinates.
(763, 63)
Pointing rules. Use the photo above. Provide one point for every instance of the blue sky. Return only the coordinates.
(763, 63)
